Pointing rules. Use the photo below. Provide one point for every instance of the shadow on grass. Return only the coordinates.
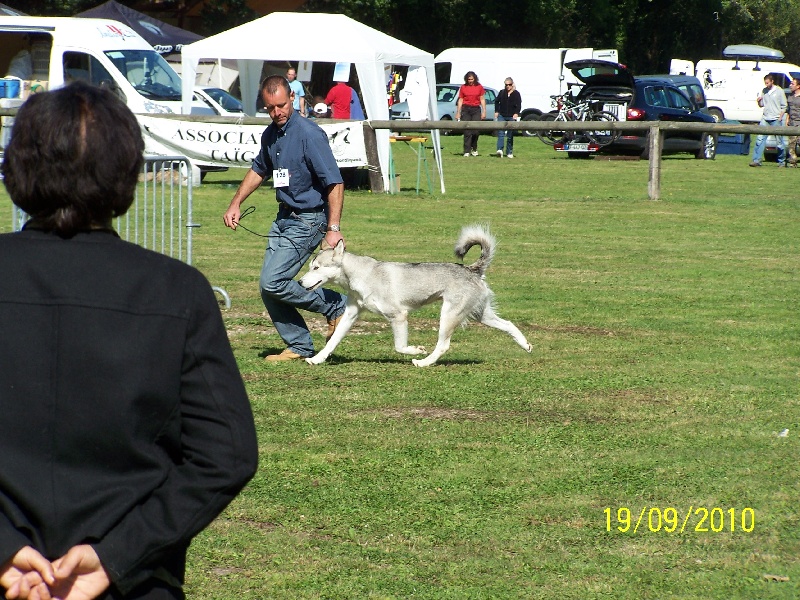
(399, 360)
(335, 359)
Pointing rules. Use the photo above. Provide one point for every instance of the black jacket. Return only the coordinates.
(124, 421)
(508, 105)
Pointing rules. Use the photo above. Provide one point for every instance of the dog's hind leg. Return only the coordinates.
(400, 330)
(490, 318)
(448, 321)
(348, 318)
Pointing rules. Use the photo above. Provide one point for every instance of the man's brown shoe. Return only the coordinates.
(283, 356)
(332, 324)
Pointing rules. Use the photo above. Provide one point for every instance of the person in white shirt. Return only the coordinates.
(773, 100)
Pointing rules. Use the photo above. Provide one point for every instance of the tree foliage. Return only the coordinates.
(222, 15)
(52, 8)
(647, 33)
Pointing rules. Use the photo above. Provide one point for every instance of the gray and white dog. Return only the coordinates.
(393, 289)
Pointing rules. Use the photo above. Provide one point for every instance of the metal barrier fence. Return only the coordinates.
(160, 217)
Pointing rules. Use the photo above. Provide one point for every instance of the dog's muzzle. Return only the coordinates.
(311, 287)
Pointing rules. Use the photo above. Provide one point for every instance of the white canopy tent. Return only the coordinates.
(316, 37)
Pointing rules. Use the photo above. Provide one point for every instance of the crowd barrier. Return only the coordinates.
(160, 217)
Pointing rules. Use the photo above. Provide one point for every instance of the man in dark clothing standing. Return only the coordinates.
(507, 107)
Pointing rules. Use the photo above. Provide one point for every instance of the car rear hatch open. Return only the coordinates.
(608, 85)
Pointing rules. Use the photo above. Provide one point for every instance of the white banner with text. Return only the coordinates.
(236, 145)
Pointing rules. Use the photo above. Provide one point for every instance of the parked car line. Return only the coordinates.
(612, 87)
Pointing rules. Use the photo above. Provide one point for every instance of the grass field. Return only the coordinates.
(636, 453)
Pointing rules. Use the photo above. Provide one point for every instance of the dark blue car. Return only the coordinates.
(611, 87)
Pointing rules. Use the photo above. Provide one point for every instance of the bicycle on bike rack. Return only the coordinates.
(567, 110)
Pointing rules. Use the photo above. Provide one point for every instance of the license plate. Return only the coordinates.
(576, 147)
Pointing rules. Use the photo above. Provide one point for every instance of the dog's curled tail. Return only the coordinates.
(472, 235)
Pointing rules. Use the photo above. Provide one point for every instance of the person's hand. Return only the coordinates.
(331, 239)
(27, 575)
(231, 217)
(79, 575)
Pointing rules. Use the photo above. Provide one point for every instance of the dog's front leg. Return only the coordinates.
(400, 331)
(348, 318)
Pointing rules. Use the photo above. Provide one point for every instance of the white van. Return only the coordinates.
(732, 84)
(538, 73)
(49, 52)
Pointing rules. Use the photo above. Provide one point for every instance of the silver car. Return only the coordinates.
(219, 101)
(446, 97)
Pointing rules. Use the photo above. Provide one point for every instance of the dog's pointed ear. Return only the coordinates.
(338, 249)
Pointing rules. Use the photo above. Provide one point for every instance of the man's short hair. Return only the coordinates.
(74, 158)
(273, 82)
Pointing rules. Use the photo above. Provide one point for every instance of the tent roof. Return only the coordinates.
(316, 37)
(325, 38)
(165, 38)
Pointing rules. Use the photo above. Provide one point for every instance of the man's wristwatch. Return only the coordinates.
(333, 228)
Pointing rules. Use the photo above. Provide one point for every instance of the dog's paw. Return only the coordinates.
(313, 361)
(529, 349)
(412, 350)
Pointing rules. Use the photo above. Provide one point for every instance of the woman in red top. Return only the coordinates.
(471, 106)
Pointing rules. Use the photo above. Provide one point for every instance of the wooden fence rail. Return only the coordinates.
(655, 128)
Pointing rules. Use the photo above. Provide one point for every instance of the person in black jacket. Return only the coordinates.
(507, 107)
(125, 428)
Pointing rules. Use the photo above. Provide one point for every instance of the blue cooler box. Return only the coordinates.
(733, 143)
(9, 88)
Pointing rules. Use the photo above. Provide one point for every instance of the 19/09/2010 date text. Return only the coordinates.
(698, 519)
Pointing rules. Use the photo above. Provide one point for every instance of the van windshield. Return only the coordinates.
(148, 73)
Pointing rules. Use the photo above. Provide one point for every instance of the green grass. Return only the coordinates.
(665, 362)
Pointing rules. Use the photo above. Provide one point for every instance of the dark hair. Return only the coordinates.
(74, 158)
(273, 82)
(471, 74)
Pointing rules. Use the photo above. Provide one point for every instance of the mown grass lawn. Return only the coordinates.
(665, 367)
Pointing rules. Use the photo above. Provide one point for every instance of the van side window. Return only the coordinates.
(84, 67)
(781, 80)
(443, 70)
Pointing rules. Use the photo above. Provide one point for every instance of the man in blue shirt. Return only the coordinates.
(308, 187)
(299, 102)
